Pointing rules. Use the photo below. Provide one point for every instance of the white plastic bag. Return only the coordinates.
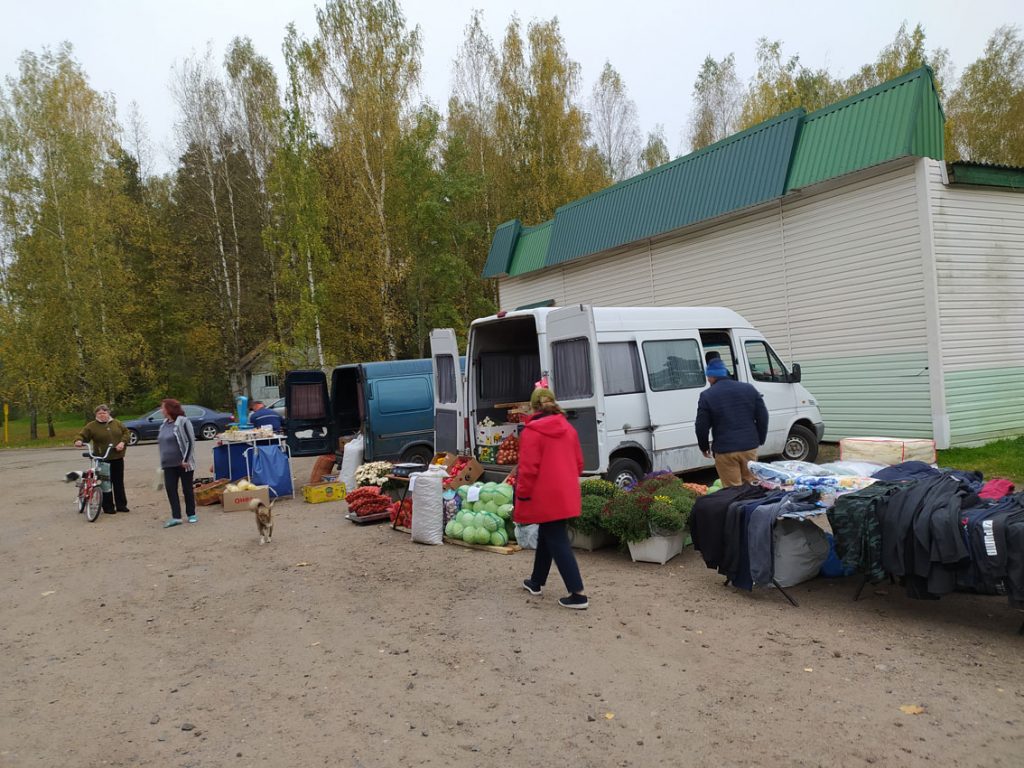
(526, 535)
(800, 549)
(351, 460)
(158, 480)
(853, 468)
(428, 506)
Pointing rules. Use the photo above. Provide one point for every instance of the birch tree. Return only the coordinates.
(201, 131)
(784, 83)
(365, 65)
(655, 151)
(255, 116)
(717, 102)
(63, 270)
(614, 125)
(987, 106)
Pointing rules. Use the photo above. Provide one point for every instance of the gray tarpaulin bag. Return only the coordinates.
(800, 549)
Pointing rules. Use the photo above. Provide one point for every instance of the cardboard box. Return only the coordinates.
(472, 472)
(443, 459)
(320, 492)
(469, 474)
(238, 501)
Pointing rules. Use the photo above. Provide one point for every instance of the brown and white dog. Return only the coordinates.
(264, 519)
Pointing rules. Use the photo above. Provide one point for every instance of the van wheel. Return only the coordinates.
(625, 473)
(801, 445)
(418, 454)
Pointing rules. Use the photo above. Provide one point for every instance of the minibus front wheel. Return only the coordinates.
(801, 445)
(624, 472)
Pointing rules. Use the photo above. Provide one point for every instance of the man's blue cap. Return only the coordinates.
(716, 369)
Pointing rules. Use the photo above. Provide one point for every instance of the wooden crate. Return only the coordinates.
(208, 494)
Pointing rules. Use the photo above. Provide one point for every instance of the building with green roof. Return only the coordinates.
(896, 280)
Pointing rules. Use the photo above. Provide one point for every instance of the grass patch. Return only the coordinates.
(65, 425)
(1003, 458)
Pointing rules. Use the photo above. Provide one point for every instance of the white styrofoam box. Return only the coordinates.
(494, 435)
(887, 450)
(657, 549)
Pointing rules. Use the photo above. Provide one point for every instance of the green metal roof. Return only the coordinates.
(895, 119)
(737, 172)
(499, 258)
(898, 118)
(983, 174)
(531, 248)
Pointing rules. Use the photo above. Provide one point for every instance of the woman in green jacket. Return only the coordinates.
(104, 430)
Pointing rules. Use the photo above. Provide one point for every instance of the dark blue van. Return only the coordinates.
(390, 402)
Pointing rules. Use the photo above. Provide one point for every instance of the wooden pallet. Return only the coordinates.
(508, 549)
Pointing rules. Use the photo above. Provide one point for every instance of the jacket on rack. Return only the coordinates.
(707, 520)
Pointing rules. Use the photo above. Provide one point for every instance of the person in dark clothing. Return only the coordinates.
(548, 494)
(735, 413)
(102, 432)
(262, 416)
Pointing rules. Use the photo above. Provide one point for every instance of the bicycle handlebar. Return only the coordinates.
(90, 455)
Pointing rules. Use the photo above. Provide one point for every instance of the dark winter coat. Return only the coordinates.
(735, 414)
(550, 463)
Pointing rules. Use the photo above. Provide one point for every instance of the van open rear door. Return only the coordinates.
(449, 392)
(575, 378)
(310, 423)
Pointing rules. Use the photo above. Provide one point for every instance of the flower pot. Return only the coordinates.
(657, 549)
(590, 541)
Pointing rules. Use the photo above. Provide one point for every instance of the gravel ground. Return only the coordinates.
(128, 645)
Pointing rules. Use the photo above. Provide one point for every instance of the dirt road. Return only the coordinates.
(125, 644)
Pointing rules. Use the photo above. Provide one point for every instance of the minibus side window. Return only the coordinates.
(764, 363)
(620, 368)
(570, 365)
(674, 364)
(446, 382)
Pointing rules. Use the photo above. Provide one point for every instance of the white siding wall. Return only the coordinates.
(532, 287)
(979, 257)
(604, 282)
(738, 265)
(856, 305)
(833, 279)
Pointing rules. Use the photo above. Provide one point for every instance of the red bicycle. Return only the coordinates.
(90, 486)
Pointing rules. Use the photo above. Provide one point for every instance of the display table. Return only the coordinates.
(231, 462)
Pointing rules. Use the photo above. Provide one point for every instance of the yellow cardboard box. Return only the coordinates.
(318, 492)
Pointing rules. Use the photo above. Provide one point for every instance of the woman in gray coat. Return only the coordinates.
(177, 442)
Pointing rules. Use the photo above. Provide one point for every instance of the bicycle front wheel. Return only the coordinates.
(92, 509)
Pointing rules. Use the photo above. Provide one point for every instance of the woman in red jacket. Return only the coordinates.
(548, 493)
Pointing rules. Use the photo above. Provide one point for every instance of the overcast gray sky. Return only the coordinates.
(128, 47)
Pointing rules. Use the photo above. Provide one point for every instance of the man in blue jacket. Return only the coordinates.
(262, 416)
(735, 413)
